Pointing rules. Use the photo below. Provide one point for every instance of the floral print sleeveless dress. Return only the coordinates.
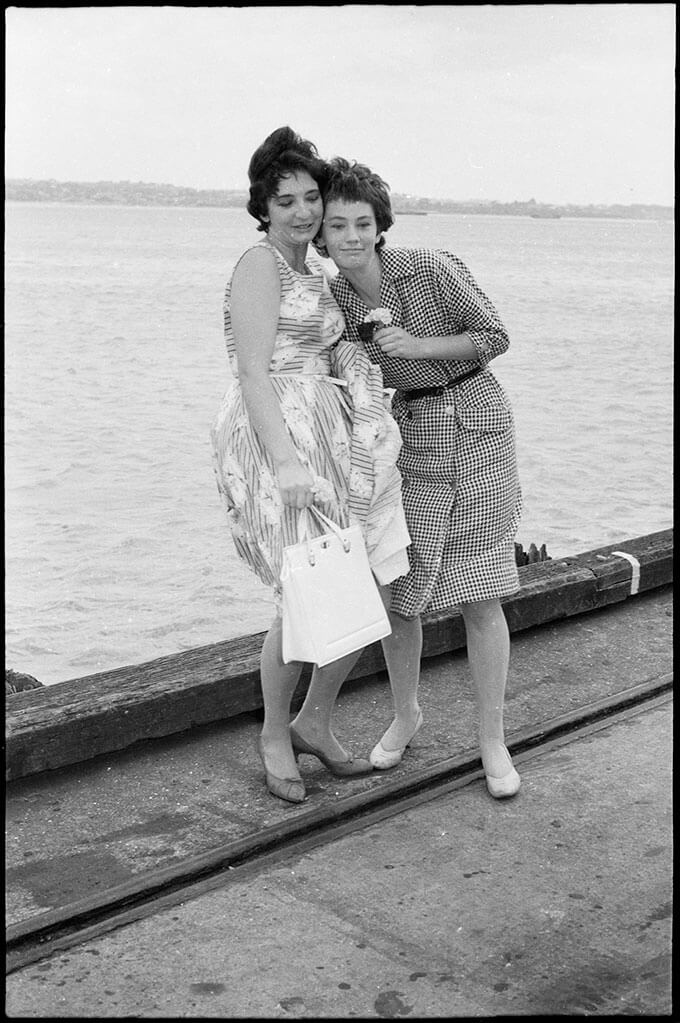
(333, 405)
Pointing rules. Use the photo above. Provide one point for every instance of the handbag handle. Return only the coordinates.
(304, 533)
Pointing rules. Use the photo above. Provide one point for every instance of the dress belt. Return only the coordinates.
(427, 392)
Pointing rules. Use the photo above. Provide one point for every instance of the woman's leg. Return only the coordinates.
(279, 682)
(488, 646)
(313, 720)
(402, 650)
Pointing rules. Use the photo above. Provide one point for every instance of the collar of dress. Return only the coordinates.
(395, 264)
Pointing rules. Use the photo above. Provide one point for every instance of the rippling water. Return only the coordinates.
(116, 550)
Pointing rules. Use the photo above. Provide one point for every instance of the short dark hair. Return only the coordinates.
(355, 182)
(283, 152)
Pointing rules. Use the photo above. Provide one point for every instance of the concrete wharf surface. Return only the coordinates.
(555, 902)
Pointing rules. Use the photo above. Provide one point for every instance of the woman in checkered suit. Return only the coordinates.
(437, 333)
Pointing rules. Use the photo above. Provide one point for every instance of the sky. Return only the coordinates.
(561, 103)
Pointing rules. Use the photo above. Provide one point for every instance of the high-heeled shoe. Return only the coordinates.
(292, 790)
(341, 768)
(383, 759)
(506, 786)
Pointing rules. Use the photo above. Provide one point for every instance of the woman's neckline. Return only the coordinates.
(363, 296)
(305, 272)
(372, 275)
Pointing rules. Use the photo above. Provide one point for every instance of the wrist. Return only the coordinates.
(430, 348)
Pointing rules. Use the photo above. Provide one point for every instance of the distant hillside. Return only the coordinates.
(123, 193)
(139, 193)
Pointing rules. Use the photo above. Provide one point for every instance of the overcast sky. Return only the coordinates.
(559, 102)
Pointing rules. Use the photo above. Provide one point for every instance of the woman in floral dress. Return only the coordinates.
(303, 422)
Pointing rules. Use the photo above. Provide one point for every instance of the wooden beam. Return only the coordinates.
(54, 726)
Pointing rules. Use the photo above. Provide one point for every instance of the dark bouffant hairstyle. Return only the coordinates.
(354, 182)
(283, 152)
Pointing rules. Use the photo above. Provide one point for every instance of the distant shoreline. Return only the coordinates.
(127, 193)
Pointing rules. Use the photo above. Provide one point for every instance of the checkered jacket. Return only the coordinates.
(460, 485)
(430, 293)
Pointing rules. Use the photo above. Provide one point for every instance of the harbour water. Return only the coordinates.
(116, 548)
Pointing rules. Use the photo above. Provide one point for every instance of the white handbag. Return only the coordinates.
(331, 601)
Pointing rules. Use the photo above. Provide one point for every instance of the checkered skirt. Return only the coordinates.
(461, 495)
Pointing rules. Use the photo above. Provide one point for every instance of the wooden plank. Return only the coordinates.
(54, 726)
(550, 591)
(654, 554)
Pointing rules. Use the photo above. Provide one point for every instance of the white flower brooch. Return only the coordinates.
(376, 319)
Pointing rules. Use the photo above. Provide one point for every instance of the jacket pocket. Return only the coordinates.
(491, 418)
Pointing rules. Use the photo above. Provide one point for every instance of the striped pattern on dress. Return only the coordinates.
(332, 401)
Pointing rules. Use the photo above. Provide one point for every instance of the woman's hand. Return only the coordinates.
(295, 484)
(395, 342)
